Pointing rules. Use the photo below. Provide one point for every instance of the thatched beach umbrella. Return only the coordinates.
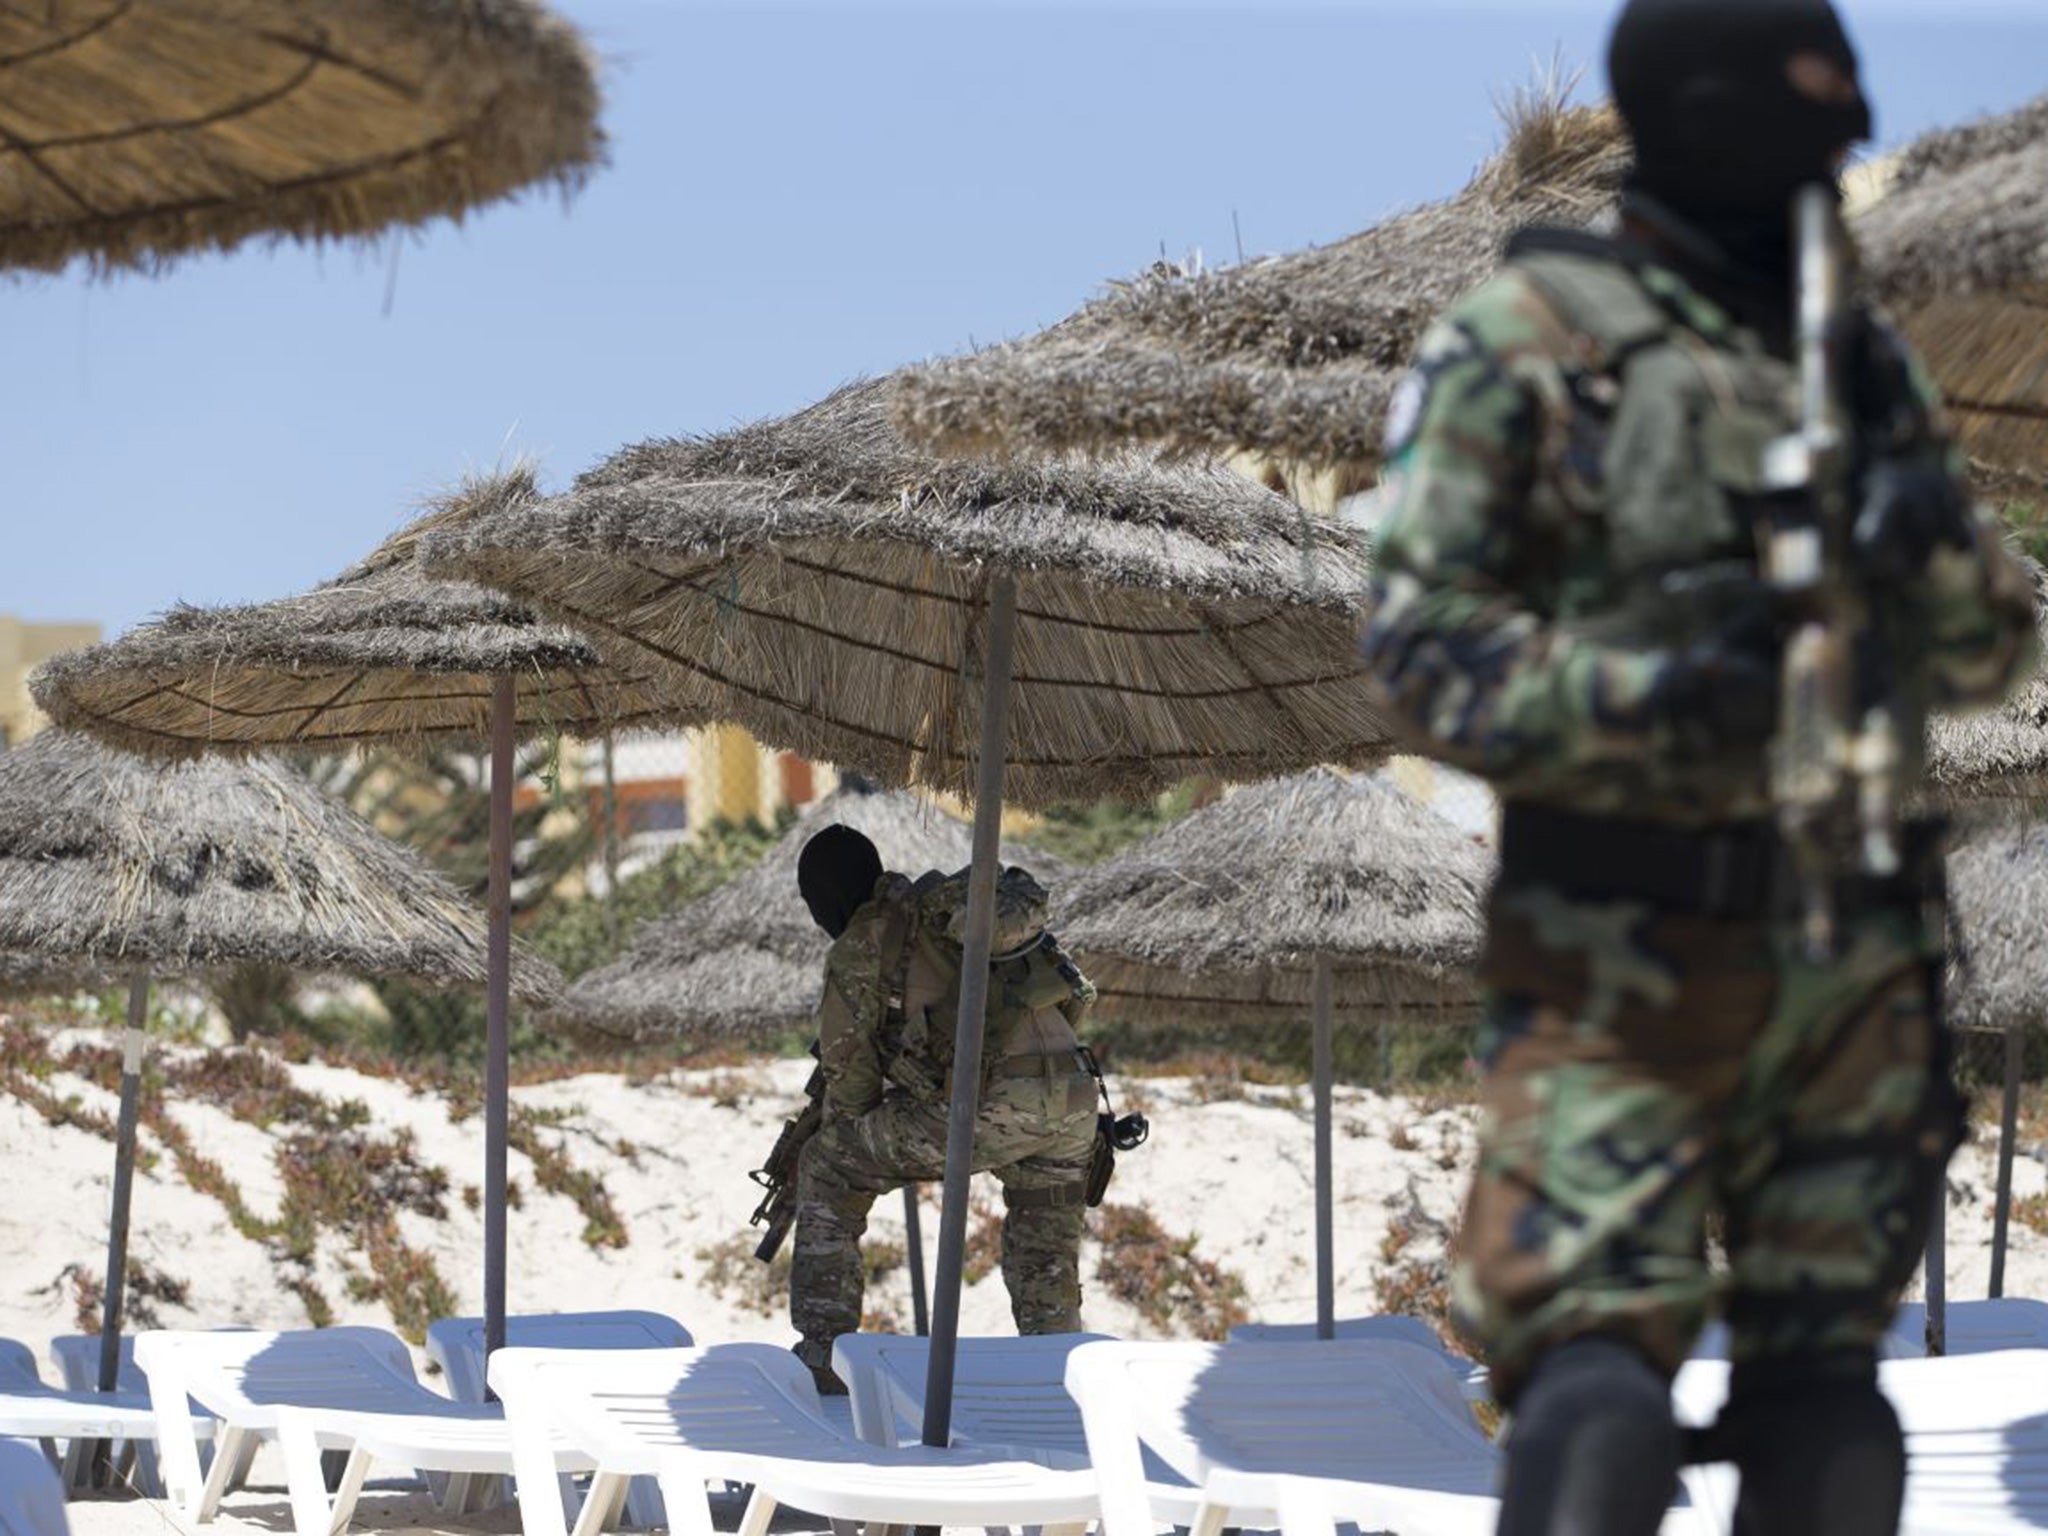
(850, 599)
(382, 655)
(2000, 753)
(131, 134)
(1958, 249)
(1337, 897)
(127, 867)
(1294, 357)
(1998, 973)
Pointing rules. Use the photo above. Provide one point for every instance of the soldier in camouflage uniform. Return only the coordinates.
(885, 1034)
(1573, 473)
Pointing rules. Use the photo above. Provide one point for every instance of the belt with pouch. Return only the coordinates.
(1739, 870)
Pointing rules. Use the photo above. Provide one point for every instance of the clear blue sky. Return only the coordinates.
(798, 195)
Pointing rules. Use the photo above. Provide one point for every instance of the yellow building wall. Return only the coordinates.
(23, 647)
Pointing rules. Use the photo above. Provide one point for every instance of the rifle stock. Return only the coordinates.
(778, 1175)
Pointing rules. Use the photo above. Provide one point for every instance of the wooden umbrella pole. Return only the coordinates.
(611, 838)
(498, 1003)
(1326, 1240)
(132, 1046)
(2008, 1133)
(967, 1033)
(913, 1240)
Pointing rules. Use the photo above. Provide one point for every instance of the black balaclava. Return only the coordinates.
(1723, 137)
(835, 873)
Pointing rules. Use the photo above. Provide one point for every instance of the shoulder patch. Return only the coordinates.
(1447, 344)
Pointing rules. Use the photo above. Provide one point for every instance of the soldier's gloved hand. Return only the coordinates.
(1909, 509)
(1720, 694)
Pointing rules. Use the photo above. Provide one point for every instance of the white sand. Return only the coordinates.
(1234, 1173)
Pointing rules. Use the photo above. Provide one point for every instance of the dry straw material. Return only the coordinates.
(747, 961)
(1958, 248)
(819, 582)
(1219, 918)
(143, 867)
(134, 131)
(1998, 753)
(1998, 896)
(1293, 357)
(380, 655)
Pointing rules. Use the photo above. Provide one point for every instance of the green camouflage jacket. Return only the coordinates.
(854, 1010)
(1524, 501)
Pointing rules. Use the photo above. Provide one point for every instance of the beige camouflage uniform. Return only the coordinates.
(886, 1088)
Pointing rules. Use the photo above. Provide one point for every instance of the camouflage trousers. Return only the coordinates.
(1645, 1071)
(1034, 1134)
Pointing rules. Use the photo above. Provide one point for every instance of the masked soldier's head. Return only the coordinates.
(1735, 104)
(835, 873)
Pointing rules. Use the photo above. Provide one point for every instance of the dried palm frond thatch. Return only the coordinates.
(1294, 357)
(152, 868)
(1958, 248)
(822, 584)
(2000, 753)
(382, 654)
(132, 133)
(1221, 917)
(747, 961)
(1998, 966)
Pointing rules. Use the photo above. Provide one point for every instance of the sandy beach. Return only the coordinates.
(1226, 1176)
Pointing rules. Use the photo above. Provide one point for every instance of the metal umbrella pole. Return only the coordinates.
(2008, 1133)
(498, 1001)
(1936, 1271)
(1326, 1240)
(913, 1241)
(133, 1043)
(968, 1028)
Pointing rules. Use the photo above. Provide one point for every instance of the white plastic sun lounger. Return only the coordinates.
(749, 1412)
(1369, 1431)
(456, 1344)
(1478, 1385)
(30, 1410)
(1976, 1440)
(31, 1495)
(349, 1389)
(1007, 1392)
(77, 1358)
(1383, 1424)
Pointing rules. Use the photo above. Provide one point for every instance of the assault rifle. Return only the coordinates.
(1834, 764)
(778, 1175)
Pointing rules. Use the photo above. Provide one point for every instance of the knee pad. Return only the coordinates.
(1594, 1450)
(1818, 1448)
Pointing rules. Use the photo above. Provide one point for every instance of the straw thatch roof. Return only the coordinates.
(747, 961)
(1998, 903)
(1220, 917)
(1294, 356)
(819, 582)
(149, 867)
(381, 654)
(131, 133)
(2002, 752)
(1958, 248)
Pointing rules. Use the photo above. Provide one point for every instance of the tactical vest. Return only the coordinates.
(1034, 991)
(1664, 434)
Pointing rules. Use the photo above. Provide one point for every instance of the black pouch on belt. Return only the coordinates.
(1101, 1160)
